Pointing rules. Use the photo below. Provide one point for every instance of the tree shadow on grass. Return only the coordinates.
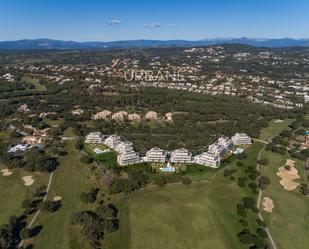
(36, 230)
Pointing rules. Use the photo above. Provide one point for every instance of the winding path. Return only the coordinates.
(260, 197)
(39, 211)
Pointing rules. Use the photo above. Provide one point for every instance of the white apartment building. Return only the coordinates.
(112, 141)
(128, 157)
(94, 138)
(209, 159)
(123, 146)
(156, 155)
(181, 156)
(241, 138)
(217, 149)
(225, 142)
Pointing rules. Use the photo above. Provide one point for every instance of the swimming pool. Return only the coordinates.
(98, 151)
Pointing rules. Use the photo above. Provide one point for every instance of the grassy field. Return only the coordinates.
(53, 123)
(69, 132)
(198, 216)
(274, 128)
(71, 178)
(202, 215)
(288, 222)
(35, 82)
(14, 192)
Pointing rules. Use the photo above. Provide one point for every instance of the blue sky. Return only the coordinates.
(101, 20)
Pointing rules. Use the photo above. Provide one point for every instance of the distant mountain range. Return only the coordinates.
(59, 44)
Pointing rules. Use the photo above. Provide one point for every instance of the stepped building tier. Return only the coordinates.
(128, 157)
(123, 146)
(112, 141)
(94, 138)
(181, 156)
(217, 149)
(225, 142)
(209, 159)
(156, 155)
(241, 138)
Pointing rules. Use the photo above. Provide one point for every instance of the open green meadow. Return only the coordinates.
(14, 192)
(288, 222)
(202, 215)
(35, 82)
(70, 180)
(274, 128)
(198, 216)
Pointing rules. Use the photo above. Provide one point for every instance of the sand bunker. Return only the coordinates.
(268, 205)
(288, 176)
(57, 198)
(6, 172)
(28, 180)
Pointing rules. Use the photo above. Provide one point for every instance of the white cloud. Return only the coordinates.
(114, 22)
(152, 25)
(171, 25)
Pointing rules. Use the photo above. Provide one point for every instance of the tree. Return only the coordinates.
(263, 161)
(89, 197)
(108, 211)
(50, 206)
(253, 186)
(245, 237)
(261, 233)
(241, 211)
(86, 159)
(242, 181)
(263, 182)
(261, 223)
(249, 203)
(79, 145)
(186, 180)
(286, 133)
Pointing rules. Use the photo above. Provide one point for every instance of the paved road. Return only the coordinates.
(39, 211)
(273, 244)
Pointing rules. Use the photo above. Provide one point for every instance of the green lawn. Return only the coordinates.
(202, 215)
(71, 178)
(274, 129)
(13, 192)
(288, 222)
(69, 132)
(199, 216)
(109, 159)
(35, 82)
(53, 123)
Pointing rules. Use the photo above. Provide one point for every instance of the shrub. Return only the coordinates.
(86, 159)
(249, 203)
(242, 181)
(243, 223)
(245, 237)
(261, 223)
(263, 161)
(186, 180)
(261, 233)
(50, 206)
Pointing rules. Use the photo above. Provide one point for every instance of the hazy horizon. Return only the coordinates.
(193, 20)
